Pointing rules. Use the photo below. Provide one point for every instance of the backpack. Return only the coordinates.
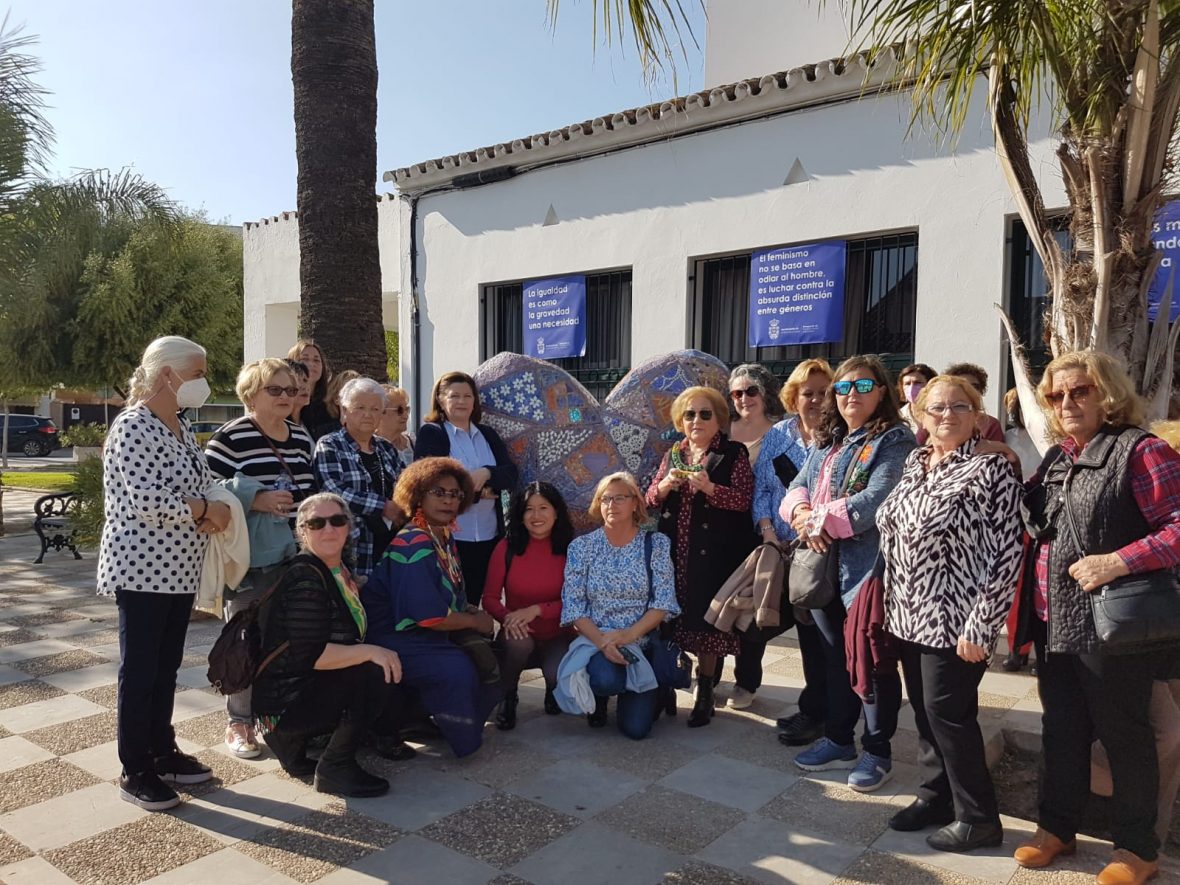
(236, 660)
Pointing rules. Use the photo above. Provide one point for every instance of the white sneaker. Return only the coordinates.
(240, 740)
(740, 698)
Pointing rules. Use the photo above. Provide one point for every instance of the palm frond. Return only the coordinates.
(657, 28)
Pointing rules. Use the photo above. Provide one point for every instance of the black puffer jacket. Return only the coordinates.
(307, 610)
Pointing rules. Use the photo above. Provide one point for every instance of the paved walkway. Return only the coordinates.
(551, 802)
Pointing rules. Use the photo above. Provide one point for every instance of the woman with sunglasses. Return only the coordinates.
(860, 448)
(264, 458)
(362, 468)
(324, 677)
(394, 421)
(703, 492)
(775, 458)
(1121, 486)
(415, 598)
(950, 536)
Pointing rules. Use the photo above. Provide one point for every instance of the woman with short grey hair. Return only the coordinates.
(362, 468)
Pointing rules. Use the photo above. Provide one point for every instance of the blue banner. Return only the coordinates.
(554, 317)
(1165, 235)
(797, 295)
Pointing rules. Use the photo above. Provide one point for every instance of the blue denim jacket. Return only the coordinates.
(870, 485)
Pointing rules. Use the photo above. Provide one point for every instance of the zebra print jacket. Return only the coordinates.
(951, 540)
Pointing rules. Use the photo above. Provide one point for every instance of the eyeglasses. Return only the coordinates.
(452, 494)
(748, 392)
(1077, 394)
(363, 410)
(703, 414)
(811, 394)
(397, 410)
(317, 523)
(609, 500)
(276, 391)
(862, 385)
(939, 409)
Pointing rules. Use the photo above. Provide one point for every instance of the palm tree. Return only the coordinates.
(334, 72)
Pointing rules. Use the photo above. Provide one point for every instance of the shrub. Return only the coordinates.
(84, 435)
(89, 517)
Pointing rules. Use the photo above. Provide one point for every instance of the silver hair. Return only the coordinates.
(171, 351)
(767, 383)
(360, 386)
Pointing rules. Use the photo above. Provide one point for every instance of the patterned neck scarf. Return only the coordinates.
(352, 598)
(448, 557)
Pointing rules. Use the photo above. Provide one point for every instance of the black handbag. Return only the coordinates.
(669, 663)
(813, 579)
(1133, 611)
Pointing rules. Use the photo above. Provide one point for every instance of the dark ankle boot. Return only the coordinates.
(552, 708)
(597, 719)
(338, 771)
(667, 701)
(291, 751)
(506, 718)
(702, 710)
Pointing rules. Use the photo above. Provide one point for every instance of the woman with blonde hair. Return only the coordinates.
(703, 490)
(1101, 506)
(150, 557)
(394, 421)
(614, 595)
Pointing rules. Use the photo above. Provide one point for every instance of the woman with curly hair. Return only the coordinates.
(415, 599)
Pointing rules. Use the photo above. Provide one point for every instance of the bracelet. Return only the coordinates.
(204, 509)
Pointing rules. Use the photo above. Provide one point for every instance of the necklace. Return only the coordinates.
(449, 562)
(678, 462)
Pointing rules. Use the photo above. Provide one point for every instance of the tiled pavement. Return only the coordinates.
(551, 802)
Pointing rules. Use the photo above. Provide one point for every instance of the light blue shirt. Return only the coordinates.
(472, 451)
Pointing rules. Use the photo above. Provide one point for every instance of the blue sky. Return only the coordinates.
(196, 96)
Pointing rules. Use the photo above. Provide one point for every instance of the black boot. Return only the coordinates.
(291, 751)
(702, 710)
(1014, 663)
(667, 701)
(338, 771)
(506, 718)
(552, 708)
(597, 719)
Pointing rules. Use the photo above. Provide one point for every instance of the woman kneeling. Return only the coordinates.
(326, 679)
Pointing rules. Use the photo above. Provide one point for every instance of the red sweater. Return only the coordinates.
(534, 578)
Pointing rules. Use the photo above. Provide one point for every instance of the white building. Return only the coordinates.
(661, 207)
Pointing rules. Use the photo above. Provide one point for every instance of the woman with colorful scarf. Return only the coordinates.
(417, 603)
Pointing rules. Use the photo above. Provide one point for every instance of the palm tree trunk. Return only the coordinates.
(334, 72)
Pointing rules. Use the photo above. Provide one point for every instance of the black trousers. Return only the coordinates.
(358, 695)
(1105, 697)
(944, 694)
(152, 628)
(474, 556)
(813, 700)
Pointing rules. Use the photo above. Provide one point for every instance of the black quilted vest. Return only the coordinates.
(1106, 516)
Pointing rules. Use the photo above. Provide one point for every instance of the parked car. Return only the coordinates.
(204, 430)
(31, 435)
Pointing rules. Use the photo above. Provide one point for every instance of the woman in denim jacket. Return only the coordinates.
(860, 422)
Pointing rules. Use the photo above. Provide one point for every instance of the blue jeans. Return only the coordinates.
(637, 710)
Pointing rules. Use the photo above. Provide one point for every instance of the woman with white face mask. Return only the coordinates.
(157, 527)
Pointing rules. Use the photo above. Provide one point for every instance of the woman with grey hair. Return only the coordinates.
(362, 468)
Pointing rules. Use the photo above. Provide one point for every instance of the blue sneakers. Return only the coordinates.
(870, 773)
(825, 755)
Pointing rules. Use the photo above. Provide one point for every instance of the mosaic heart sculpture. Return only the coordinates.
(557, 431)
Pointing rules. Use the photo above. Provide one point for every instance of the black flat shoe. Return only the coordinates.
(552, 708)
(799, 730)
(506, 718)
(1015, 663)
(919, 815)
(597, 719)
(959, 837)
(669, 701)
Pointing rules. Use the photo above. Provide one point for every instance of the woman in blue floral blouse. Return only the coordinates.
(609, 598)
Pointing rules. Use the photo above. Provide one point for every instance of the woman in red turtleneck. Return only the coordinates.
(523, 592)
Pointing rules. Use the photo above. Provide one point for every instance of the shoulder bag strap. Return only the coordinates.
(1069, 517)
(851, 467)
(277, 453)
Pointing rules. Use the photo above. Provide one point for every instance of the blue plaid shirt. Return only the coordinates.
(338, 469)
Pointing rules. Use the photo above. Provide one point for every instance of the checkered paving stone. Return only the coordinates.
(677, 821)
(319, 843)
(63, 662)
(17, 694)
(103, 695)
(508, 879)
(700, 873)
(12, 851)
(226, 773)
(56, 616)
(95, 638)
(649, 759)
(874, 866)
(18, 636)
(79, 734)
(35, 783)
(207, 730)
(832, 809)
(133, 852)
(497, 763)
(501, 830)
(4, 732)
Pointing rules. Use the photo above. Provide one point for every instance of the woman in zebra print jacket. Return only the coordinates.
(950, 535)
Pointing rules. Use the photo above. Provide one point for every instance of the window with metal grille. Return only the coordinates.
(608, 328)
(1028, 295)
(880, 294)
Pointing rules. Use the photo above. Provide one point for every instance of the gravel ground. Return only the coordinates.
(50, 617)
(17, 693)
(649, 760)
(832, 809)
(319, 843)
(59, 663)
(77, 734)
(95, 637)
(678, 821)
(874, 867)
(18, 636)
(497, 763)
(226, 772)
(700, 873)
(501, 830)
(207, 730)
(11, 850)
(40, 781)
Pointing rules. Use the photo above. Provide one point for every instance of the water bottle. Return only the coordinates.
(284, 483)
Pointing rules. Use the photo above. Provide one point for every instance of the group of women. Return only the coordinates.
(390, 563)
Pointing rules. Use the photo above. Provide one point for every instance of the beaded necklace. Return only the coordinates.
(678, 463)
(449, 561)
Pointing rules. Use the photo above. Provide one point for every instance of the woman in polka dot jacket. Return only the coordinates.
(153, 544)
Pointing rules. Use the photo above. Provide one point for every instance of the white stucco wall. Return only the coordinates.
(749, 38)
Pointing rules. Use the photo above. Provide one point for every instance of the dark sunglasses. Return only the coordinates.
(453, 494)
(703, 414)
(749, 391)
(862, 385)
(317, 523)
(275, 390)
(397, 410)
(1077, 394)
